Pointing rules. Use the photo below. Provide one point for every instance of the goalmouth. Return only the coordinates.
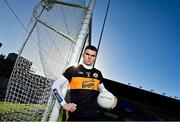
(55, 38)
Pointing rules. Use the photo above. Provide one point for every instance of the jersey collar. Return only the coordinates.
(87, 66)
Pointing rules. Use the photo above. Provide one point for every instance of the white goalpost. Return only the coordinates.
(55, 38)
(75, 54)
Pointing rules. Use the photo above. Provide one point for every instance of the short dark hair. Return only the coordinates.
(93, 48)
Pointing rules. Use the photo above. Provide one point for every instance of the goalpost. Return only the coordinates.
(54, 41)
(75, 54)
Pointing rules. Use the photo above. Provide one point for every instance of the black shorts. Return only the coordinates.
(79, 118)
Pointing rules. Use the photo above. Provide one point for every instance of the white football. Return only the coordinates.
(106, 100)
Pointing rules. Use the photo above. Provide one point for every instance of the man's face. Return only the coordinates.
(89, 57)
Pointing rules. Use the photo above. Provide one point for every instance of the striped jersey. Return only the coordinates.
(84, 89)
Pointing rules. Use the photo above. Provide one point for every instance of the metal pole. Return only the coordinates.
(75, 55)
(102, 29)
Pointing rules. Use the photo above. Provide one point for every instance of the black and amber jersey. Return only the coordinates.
(84, 89)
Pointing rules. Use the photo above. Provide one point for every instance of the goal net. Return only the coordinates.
(49, 43)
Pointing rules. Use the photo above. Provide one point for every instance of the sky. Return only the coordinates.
(140, 43)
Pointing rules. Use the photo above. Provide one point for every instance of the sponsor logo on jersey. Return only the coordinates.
(80, 73)
(84, 83)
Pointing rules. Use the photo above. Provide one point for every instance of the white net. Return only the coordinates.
(52, 35)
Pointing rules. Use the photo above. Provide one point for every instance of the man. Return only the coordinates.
(85, 85)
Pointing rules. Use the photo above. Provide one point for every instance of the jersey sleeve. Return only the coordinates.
(56, 89)
(69, 73)
(101, 77)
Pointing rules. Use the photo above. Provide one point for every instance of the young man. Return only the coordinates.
(85, 85)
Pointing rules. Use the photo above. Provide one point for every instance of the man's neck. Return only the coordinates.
(87, 66)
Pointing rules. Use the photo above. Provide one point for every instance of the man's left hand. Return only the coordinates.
(115, 102)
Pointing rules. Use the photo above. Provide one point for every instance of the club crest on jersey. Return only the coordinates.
(88, 74)
(95, 75)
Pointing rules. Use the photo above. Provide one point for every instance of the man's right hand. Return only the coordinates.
(70, 107)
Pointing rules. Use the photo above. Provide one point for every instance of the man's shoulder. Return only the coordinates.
(70, 71)
(72, 68)
(97, 70)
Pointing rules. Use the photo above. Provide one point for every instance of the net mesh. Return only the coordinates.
(53, 31)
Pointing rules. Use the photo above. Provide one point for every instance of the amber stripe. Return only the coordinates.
(84, 83)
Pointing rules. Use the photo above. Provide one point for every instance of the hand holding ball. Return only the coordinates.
(106, 100)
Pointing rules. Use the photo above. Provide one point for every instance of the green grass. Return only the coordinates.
(22, 112)
(1, 107)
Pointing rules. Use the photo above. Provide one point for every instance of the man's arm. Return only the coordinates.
(102, 88)
(56, 89)
(57, 92)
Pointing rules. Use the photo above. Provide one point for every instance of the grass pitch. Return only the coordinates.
(20, 112)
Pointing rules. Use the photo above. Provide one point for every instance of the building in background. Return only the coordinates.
(6, 66)
(39, 84)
